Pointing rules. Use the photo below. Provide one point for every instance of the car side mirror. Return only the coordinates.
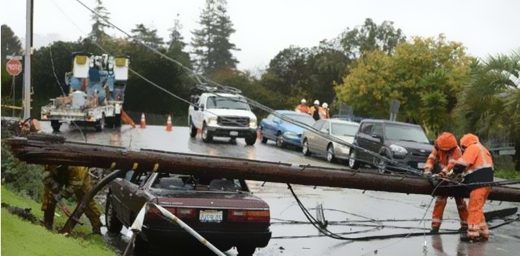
(201, 107)
(276, 121)
(195, 107)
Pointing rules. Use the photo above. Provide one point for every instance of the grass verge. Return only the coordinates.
(20, 237)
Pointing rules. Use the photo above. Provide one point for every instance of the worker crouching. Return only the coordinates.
(476, 165)
(62, 182)
(441, 162)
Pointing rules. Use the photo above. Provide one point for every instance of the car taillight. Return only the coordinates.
(248, 216)
(186, 213)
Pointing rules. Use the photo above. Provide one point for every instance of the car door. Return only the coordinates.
(270, 126)
(322, 141)
(128, 197)
(312, 137)
(363, 140)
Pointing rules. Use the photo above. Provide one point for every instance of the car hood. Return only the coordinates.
(292, 128)
(416, 146)
(231, 112)
(211, 200)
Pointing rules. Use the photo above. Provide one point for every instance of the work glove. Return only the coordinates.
(427, 172)
(434, 180)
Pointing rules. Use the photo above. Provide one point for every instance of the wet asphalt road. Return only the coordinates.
(361, 213)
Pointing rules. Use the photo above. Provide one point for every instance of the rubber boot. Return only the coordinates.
(48, 219)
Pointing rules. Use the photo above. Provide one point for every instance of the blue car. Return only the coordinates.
(283, 132)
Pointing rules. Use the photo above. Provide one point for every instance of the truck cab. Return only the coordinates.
(222, 114)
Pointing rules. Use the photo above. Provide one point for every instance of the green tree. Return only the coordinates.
(98, 34)
(425, 75)
(369, 37)
(490, 103)
(211, 43)
(148, 36)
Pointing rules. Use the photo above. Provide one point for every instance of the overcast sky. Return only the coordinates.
(264, 27)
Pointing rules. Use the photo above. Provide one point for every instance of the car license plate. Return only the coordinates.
(233, 133)
(420, 165)
(210, 216)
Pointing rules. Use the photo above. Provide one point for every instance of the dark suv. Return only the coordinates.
(405, 143)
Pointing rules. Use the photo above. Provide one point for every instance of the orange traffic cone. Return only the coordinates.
(143, 121)
(169, 125)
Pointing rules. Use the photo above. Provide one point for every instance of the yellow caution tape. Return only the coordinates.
(12, 107)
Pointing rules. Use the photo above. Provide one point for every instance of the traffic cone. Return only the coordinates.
(143, 121)
(169, 125)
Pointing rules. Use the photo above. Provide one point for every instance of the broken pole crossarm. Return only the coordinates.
(44, 152)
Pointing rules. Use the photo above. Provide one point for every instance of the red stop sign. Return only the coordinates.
(14, 67)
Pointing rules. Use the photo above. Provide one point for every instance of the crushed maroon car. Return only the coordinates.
(221, 210)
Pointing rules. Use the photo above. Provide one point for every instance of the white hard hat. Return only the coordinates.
(303, 101)
(325, 105)
(316, 102)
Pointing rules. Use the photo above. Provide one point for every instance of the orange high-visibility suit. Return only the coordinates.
(443, 155)
(478, 165)
(302, 108)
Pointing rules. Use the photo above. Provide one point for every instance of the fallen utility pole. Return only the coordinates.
(55, 150)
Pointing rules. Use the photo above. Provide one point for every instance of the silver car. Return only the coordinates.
(313, 143)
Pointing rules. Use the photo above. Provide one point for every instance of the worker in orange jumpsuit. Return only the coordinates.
(441, 162)
(476, 166)
(302, 107)
(315, 110)
(324, 111)
(62, 182)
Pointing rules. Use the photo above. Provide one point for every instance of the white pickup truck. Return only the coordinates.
(222, 115)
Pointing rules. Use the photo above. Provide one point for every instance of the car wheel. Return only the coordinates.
(246, 250)
(113, 224)
(55, 124)
(353, 163)
(331, 157)
(193, 131)
(206, 135)
(305, 148)
(279, 141)
(117, 121)
(100, 124)
(380, 164)
(264, 139)
(251, 139)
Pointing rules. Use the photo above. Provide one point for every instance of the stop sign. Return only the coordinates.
(14, 67)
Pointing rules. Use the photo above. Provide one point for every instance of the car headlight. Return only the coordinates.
(398, 150)
(252, 123)
(212, 121)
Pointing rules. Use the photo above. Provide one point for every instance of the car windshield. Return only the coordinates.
(230, 102)
(405, 133)
(306, 119)
(174, 182)
(340, 129)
